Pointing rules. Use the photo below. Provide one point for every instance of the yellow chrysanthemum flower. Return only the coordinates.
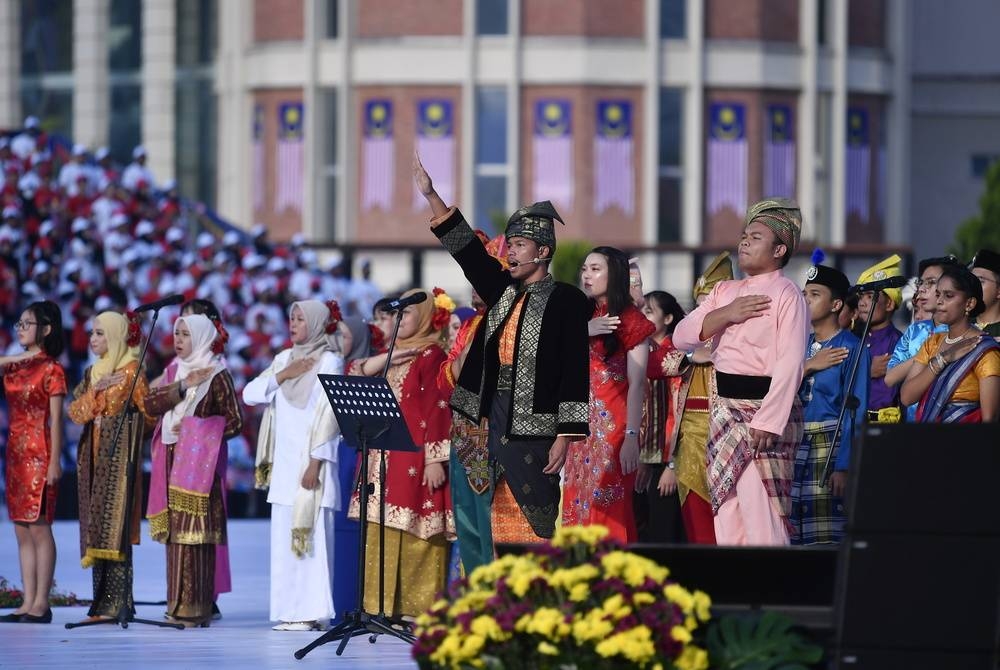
(692, 658)
(681, 634)
(488, 627)
(567, 536)
(702, 605)
(680, 596)
(548, 648)
(549, 622)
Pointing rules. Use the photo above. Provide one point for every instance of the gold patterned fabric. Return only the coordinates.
(102, 465)
(112, 586)
(415, 572)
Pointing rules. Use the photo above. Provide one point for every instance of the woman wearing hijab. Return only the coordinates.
(419, 519)
(99, 406)
(199, 412)
(300, 468)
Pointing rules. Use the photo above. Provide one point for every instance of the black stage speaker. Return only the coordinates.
(918, 584)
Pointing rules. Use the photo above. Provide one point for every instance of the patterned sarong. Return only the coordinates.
(729, 452)
(817, 516)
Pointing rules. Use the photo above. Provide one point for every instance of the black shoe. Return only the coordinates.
(216, 614)
(37, 618)
(13, 617)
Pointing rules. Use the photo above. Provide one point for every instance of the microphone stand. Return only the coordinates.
(850, 401)
(358, 621)
(126, 613)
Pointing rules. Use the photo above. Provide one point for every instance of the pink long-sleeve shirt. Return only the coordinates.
(772, 345)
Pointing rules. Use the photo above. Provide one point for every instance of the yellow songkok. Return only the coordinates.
(890, 267)
(720, 269)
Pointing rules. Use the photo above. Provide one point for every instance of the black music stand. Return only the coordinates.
(126, 613)
(369, 418)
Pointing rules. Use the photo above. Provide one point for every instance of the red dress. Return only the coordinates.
(29, 384)
(594, 490)
(409, 506)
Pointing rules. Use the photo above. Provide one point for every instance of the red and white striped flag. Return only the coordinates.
(726, 183)
(289, 174)
(614, 171)
(436, 148)
(259, 183)
(378, 156)
(552, 153)
(779, 153)
(858, 164)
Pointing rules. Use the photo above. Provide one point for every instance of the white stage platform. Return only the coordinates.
(241, 639)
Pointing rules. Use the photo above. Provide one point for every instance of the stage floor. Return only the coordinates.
(241, 639)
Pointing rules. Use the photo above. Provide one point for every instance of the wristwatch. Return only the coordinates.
(631, 431)
(689, 356)
(671, 465)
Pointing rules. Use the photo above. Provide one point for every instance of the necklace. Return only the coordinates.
(953, 340)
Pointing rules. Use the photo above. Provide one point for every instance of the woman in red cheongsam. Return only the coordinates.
(35, 385)
(600, 470)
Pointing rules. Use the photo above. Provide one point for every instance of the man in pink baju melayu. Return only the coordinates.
(758, 327)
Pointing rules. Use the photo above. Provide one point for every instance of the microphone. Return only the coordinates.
(400, 303)
(157, 305)
(515, 264)
(880, 285)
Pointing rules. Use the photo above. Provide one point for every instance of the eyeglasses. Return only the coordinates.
(24, 325)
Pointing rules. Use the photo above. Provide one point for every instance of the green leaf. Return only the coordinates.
(759, 642)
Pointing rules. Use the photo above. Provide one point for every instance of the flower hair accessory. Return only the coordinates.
(335, 316)
(134, 334)
(219, 345)
(378, 338)
(443, 307)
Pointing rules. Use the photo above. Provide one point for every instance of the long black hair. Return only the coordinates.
(669, 306)
(618, 296)
(47, 313)
(967, 284)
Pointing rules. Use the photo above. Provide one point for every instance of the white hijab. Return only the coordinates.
(203, 334)
(298, 390)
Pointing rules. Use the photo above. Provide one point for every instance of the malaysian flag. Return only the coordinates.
(378, 156)
(552, 153)
(858, 163)
(726, 183)
(436, 148)
(779, 153)
(614, 176)
(258, 158)
(289, 177)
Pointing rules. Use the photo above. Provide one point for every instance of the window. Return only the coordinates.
(673, 19)
(330, 19)
(47, 64)
(821, 23)
(197, 31)
(491, 17)
(670, 176)
(981, 164)
(492, 171)
(125, 36)
(329, 172)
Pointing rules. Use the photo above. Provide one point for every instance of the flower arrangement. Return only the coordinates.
(378, 338)
(10, 596)
(443, 307)
(222, 339)
(580, 602)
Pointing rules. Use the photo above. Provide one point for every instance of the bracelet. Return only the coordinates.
(631, 431)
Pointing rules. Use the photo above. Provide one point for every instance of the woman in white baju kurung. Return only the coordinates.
(297, 459)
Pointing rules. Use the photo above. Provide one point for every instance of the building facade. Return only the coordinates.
(649, 123)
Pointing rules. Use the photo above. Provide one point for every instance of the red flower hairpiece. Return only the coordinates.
(443, 307)
(377, 338)
(222, 339)
(134, 333)
(335, 316)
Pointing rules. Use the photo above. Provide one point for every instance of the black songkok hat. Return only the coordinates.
(988, 260)
(832, 278)
(943, 261)
(535, 222)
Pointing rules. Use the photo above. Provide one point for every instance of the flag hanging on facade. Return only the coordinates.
(552, 153)
(436, 147)
(378, 156)
(779, 153)
(726, 185)
(259, 183)
(288, 181)
(858, 163)
(614, 171)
